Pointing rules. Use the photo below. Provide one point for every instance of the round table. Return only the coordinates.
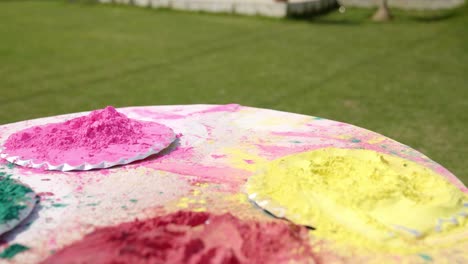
(218, 148)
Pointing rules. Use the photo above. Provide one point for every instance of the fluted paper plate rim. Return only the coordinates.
(85, 166)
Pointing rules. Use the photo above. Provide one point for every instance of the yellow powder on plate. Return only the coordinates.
(361, 197)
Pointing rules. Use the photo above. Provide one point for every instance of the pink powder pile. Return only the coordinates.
(103, 135)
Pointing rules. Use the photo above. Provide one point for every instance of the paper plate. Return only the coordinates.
(24, 204)
(85, 166)
(308, 205)
(124, 159)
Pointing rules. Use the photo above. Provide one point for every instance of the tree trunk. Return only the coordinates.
(383, 13)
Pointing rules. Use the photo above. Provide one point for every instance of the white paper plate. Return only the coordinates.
(29, 201)
(268, 205)
(156, 148)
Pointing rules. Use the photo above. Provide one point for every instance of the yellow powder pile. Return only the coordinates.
(361, 197)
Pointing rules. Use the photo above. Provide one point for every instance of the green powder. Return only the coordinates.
(425, 257)
(12, 199)
(59, 205)
(11, 251)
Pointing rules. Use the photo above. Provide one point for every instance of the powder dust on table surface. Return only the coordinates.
(191, 237)
(102, 135)
(362, 197)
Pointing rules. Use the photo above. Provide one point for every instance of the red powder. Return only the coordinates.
(189, 237)
(103, 135)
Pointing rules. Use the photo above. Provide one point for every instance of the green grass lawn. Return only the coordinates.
(407, 79)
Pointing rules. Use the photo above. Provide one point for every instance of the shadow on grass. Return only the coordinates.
(333, 16)
(342, 22)
(434, 16)
(357, 16)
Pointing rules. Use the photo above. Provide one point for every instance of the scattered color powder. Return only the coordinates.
(425, 257)
(12, 199)
(103, 135)
(190, 237)
(11, 251)
(59, 205)
(361, 196)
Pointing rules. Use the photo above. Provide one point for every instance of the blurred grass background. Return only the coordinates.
(406, 79)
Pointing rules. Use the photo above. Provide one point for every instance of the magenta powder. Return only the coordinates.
(102, 135)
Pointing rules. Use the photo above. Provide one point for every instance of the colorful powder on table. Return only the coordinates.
(12, 199)
(102, 135)
(191, 237)
(362, 197)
